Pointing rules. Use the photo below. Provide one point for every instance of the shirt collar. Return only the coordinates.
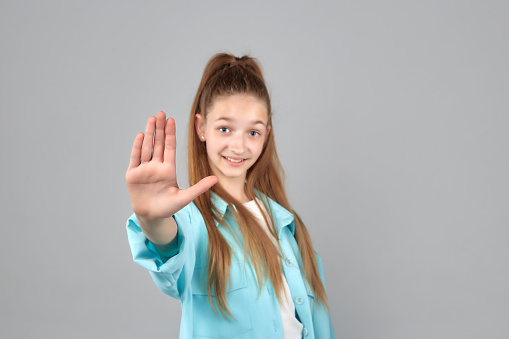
(282, 217)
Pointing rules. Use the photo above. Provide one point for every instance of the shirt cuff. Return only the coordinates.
(172, 251)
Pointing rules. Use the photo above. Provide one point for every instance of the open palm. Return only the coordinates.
(151, 177)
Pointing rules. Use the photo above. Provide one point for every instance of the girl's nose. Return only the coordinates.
(237, 144)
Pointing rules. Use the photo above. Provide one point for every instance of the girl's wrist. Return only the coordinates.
(159, 231)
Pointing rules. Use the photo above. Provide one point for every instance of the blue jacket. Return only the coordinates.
(183, 276)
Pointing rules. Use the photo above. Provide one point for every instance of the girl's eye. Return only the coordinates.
(224, 129)
(254, 133)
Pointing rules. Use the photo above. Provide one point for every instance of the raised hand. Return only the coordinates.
(151, 177)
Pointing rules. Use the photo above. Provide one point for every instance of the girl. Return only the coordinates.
(229, 248)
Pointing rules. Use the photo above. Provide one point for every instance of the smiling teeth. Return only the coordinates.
(233, 160)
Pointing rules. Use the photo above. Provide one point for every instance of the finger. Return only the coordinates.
(159, 137)
(136, 151)
(170, 142)
(146, 150)
(189, 194)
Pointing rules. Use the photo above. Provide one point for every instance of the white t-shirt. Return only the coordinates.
(292, 328)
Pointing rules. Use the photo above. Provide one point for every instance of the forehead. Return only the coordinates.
(238, 108)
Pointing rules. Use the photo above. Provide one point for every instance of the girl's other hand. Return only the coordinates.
(151, 177)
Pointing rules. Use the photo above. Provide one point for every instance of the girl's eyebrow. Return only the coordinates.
(230, 120)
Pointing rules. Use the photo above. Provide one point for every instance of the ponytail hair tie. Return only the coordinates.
(238, 62)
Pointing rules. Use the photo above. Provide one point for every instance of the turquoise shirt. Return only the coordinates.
(183, 276)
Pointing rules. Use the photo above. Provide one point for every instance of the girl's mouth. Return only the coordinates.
(234, 162)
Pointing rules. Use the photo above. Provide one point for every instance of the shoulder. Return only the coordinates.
(189, 215)
(275, 208)
(189, 211)
(318, 258)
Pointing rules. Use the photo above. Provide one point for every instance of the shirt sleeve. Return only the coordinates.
(172, 271)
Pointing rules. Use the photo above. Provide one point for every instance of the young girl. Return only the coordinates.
(229, 248)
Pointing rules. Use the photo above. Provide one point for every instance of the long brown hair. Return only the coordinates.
(227, 75)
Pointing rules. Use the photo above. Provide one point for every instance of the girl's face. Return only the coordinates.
(234, 131)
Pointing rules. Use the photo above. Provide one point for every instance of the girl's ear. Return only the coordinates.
(268, 131)
(199, 125)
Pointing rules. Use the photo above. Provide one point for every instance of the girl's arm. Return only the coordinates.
(152, 182)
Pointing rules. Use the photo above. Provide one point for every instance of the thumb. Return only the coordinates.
(189, 194)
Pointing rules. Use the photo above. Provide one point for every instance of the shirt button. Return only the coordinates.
(289, 262)
(299, 301)
(305, 332)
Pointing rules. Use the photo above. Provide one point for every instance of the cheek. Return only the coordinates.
(258, 148)
(214, 145)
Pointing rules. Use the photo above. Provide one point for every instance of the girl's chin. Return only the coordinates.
(234, 175)
(231, 173)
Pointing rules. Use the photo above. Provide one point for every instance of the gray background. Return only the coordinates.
(391, 120)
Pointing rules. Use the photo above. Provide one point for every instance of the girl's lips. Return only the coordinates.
(234, 162)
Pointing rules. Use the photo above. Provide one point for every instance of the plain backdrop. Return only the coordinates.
(391, 120)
